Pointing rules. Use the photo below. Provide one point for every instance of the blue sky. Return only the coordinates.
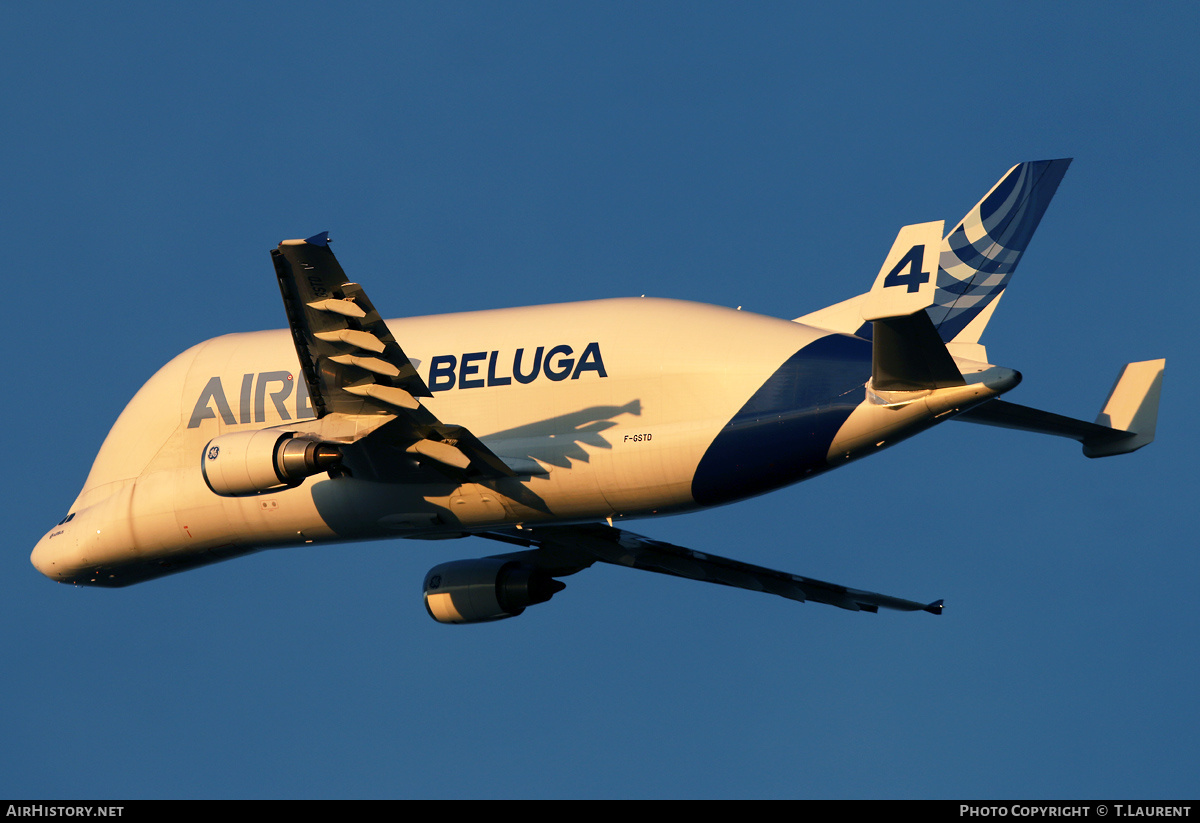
(477, 155)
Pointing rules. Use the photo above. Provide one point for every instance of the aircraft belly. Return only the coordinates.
(651, 464)
(876, 424)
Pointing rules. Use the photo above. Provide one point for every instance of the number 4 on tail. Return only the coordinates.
(906, 283)
(914, 277)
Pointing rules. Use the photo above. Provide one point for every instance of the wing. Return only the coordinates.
(563, 550)
(350, 360)
(354, 367)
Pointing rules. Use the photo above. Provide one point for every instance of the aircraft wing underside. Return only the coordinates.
(353, 365)
(563, 550)
(350, 360)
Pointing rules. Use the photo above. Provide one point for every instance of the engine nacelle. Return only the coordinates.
(491, 588)
(253, 462)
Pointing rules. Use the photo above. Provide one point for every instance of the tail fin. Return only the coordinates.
(976, 259)
(1132, 407)
(906, 352)
(981, 253)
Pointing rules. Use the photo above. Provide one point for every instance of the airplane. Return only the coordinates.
(540, 428)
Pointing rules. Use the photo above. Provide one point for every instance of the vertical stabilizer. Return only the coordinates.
(981, 253)
(974, 261)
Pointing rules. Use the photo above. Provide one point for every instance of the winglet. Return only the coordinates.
(1125, 424)
(321, 239)
(1131, 408)
(935, 607)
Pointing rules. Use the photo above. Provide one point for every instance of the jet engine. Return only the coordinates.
(491, 588)
(253, 462)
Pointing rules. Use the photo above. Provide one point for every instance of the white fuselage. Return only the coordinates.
(630, 407)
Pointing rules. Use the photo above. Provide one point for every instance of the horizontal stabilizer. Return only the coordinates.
(908, 355)
(1126, 423)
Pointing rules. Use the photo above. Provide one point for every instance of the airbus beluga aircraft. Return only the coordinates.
(541, 427)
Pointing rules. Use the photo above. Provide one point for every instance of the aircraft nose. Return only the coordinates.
(71, 550)
(48, 555)
(91, 546)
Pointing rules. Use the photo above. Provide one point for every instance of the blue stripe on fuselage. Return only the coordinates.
(784, 431)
